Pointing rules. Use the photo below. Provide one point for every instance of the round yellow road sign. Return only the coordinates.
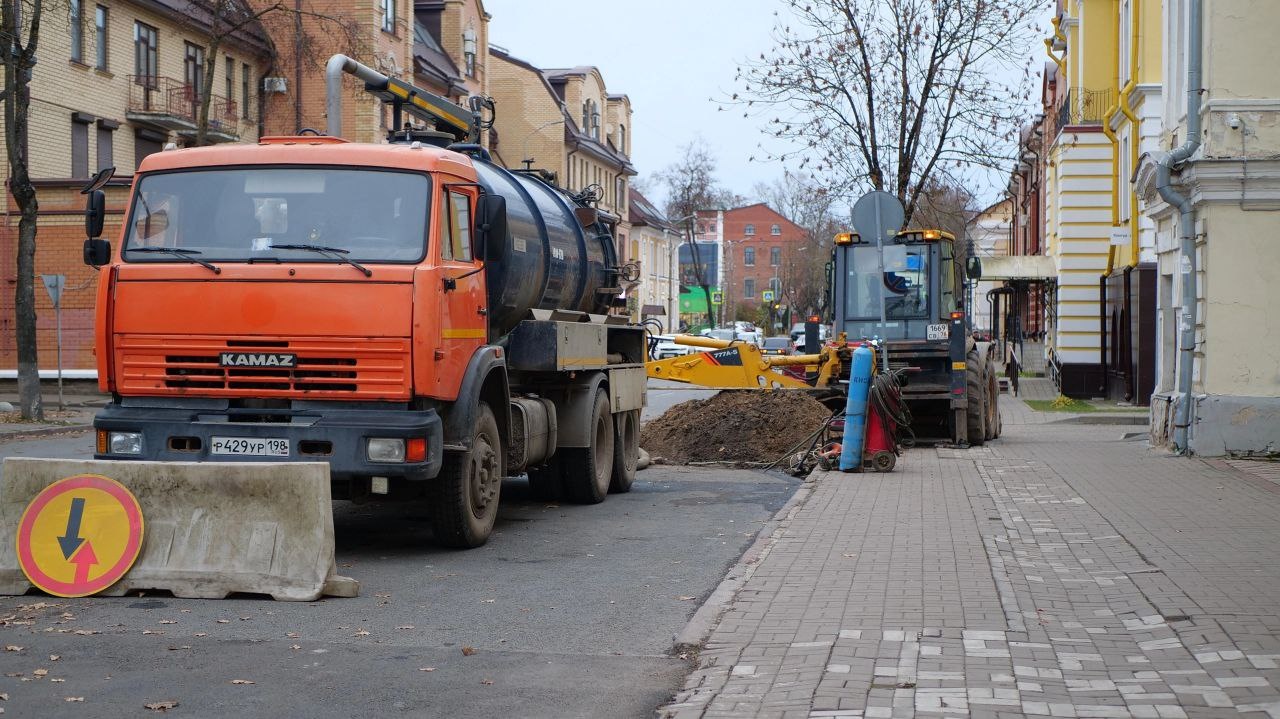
(79, 535)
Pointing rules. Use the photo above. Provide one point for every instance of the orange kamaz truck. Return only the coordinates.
(421, 319)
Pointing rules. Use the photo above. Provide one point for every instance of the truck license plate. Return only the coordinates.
(249, 446)
(937, 332)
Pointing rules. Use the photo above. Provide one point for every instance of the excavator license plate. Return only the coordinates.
(937, 332)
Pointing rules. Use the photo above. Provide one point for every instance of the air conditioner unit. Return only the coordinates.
(275, 84)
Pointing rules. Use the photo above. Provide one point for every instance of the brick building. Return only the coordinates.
(760, 259)
(116, 80)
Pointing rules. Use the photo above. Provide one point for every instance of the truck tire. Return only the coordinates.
(588, 471)
(626, 450)
(464, 498)
(976, 409)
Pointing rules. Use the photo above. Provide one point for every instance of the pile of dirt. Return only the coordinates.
(734, 426)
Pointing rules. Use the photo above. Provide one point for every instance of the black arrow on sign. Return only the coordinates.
(72, 541)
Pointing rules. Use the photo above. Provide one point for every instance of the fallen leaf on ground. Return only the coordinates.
(468, 651)
(224, 621)
(85, 632)
(67, 615)
(427, 669)
(383, 595)
(57, 680)
(40, 672)
(293, 635)
(242, 681)
(407, 626)
(177, 648)
(486, 681)
(295, 647)
(54, 657)
(13, 648)
(4, 697)
(168, 621)
(851, 556)
(361, 633)
(245, 619)
(163, 706)
(150, 631)
(487, 601)
(201, 634)
(686, 598)
(73, 699)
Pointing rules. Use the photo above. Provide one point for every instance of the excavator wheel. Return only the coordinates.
(976, 410)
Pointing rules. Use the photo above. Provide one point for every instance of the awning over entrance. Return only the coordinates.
(1018, 267)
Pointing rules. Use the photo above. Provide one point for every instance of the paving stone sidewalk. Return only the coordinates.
(1064, 571)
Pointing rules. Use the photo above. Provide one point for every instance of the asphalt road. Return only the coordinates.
(570, 610)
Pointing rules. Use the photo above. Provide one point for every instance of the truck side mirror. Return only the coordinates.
(974, 268)
(97, 252)
(491, 225)
(95, 213)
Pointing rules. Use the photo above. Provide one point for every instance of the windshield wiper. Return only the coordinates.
(336, 253)
(178, 252)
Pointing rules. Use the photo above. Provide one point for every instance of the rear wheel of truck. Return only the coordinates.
(588, 471)
(626, 450)
(976, 409)
(464, 498)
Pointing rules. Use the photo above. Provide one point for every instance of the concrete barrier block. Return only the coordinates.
(211, 528)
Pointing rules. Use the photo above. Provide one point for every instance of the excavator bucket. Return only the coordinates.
(200, 530)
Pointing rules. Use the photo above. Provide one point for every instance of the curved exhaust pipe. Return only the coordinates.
(337, 65)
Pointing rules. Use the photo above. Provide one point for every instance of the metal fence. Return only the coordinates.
(1084, 107)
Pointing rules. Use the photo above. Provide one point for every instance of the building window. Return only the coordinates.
(231, 82)
(622, 139)
(146, 142)
(389, 16)
(145, 67)
(748, 289)
(775, 256)
(100, 37)
(620, 193)
(244, 91)
(106, 144)
(749, 256)
(775, 230)
(80, 144)
(749, 230)
(469, 48)
(77, 32)
(193, 71)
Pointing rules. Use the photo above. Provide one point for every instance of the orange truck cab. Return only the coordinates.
(424, 321)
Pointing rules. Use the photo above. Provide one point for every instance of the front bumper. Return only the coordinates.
(182, 430)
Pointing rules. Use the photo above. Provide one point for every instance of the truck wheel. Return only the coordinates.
(464, 498)
(976, 410)
(588, 471)
(626, 450)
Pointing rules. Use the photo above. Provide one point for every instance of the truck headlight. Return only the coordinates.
(385, 450)
(125, 442)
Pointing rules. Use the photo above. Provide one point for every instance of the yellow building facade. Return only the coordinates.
(1218, 384)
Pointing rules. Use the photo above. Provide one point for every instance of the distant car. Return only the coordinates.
(775, 346)
(667, 348)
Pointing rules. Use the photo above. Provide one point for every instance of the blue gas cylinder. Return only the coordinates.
(855, 409)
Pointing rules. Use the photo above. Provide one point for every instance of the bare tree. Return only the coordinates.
(692, 186)
(221, 20)
(893, 93)
(807, 203)
(20, 35)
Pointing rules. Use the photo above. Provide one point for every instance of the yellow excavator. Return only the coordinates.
(733, 364)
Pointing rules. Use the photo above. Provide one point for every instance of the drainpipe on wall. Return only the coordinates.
(1186, 220)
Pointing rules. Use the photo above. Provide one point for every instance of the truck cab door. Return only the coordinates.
(464, 324)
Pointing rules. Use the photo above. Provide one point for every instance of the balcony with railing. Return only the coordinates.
(1082, 107)
(171, 104)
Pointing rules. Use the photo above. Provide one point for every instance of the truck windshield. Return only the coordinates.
(904, 284)
(238, 214)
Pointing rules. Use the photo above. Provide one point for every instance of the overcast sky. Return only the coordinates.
(673, 58)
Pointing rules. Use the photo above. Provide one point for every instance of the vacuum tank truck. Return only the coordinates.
(421, 319)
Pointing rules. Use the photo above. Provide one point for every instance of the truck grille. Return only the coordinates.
(354, 367)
